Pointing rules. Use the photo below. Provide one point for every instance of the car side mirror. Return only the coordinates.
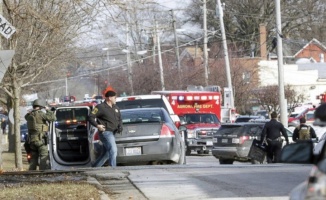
(300, 152)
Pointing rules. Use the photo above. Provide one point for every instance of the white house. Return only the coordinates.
(309, 78)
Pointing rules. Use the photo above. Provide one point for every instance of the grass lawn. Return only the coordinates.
(18, 185)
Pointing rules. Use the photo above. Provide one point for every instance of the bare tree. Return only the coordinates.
(303, 19)
(45, 37)
(268, 97)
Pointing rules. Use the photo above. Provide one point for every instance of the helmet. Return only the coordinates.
(320, 115)
(37, 103)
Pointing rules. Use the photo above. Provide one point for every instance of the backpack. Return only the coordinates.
(35, 126)
(31, 121)
(304, 133)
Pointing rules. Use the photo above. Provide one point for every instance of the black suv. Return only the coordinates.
(232, 142)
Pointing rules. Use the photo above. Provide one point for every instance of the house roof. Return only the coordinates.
(194, 52)
(292, 48)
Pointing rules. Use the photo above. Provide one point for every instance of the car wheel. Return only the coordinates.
(254, 162)
(200, 152)
(188, 152)
(226, 161)
(206, 152)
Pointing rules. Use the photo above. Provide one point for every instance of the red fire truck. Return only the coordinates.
(200, 112)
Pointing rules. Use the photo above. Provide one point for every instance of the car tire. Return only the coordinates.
(188, 152)
(200, 152)
(226, 161)
(206, 152)
(254, 162)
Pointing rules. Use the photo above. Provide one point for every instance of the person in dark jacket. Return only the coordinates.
(304, 131)
(272, 133)
(107, 118)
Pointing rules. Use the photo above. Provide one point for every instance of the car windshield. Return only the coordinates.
(142, 116)
(199, 118)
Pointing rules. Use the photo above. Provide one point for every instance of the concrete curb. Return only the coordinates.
(93, 181)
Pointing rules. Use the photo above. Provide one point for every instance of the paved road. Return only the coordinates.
(204, 178)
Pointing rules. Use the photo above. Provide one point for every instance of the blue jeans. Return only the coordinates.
(109, 150)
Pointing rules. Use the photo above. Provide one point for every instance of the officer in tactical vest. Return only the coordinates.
(37, 124)
(303, 131)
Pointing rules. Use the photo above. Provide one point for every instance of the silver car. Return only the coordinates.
(149, 137)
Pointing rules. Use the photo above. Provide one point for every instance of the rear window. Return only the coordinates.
(71, 117)
(142, 116)
(141, 103)
(255, 130)
(230, 130)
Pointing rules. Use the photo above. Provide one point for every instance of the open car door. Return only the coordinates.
(68, 138)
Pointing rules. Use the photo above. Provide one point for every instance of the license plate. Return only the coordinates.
(134, 151)
(215, 140)
(209, 143)
(235, 140)
(224, 140)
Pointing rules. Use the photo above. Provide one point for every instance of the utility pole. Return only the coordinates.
(159, 56)
(226, 55)
(129, 63)
(205, 42)
(282, 100)
(66, 85)
(176, 41)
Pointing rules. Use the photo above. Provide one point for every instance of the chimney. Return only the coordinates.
(263, 45)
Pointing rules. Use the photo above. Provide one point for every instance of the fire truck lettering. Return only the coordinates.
(185, 106)
(208, 106)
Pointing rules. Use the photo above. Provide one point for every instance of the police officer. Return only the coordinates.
(107, 118)
(272, 133)
(304, 131)
(37, 129)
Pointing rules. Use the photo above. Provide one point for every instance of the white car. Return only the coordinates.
(318, 146)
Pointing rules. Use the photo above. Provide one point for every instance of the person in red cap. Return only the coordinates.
(107, 118)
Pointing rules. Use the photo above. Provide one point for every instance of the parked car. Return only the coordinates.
(232, 142)
(294, 121)
(263, 113)
(247, 118)
(23, 132)
(302, 153)
(149, 137)
(319, 145)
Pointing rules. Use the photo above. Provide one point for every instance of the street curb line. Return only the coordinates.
(94, 181)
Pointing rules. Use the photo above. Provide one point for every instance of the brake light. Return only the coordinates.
(243, 139)
(96, 136)
(166, 131)
(29, 156)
